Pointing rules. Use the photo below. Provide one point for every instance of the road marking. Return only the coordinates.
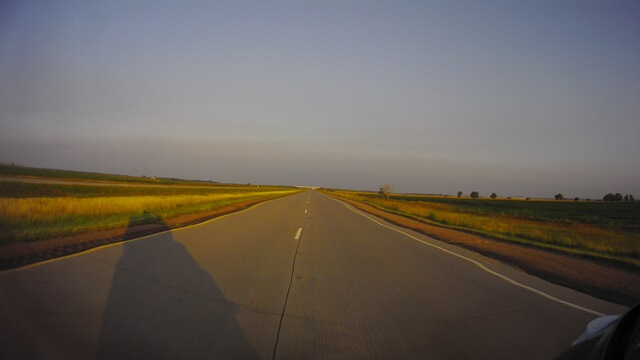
(298, 234)
(305, 211)
(478, 264)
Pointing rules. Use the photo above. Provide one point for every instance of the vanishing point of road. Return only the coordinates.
(304, 276)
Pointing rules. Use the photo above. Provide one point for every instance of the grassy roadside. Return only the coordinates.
(30, 212)
(600, 230)
(24, 190)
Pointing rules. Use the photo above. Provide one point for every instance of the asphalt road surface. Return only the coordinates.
(303, 276)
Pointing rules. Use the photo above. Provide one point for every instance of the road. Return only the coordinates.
(304, 276)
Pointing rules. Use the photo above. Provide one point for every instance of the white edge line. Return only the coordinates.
(127, 241)
(298, 234)
(478, 264)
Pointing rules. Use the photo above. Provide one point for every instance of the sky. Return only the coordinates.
(514, 97)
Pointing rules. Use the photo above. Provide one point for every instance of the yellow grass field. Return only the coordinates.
(607, 242)
(31, 218)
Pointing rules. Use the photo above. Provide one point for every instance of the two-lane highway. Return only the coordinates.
(303, 276)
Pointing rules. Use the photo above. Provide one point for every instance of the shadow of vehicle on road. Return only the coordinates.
(162, 304)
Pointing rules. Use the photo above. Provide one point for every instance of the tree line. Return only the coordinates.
(386, 189)
(608, 197)
(618, 197)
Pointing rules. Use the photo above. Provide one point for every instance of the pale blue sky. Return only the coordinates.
(520, 98)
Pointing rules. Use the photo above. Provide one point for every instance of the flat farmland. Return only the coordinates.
(34, 211)
(603, 230)
(72, 175)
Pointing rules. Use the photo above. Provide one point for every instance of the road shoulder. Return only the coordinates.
(589, 276)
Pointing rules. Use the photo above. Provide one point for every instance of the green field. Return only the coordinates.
(614, 214)
(604, 230)
(31, 172)
(34, 211)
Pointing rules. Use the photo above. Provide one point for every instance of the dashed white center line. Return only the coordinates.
(305, 211)
(298, 233)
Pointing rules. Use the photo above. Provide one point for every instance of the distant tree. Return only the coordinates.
(508, 197)
(385, 190)
(459, 193)
(576, 198)
(493, 195)
(618, 197)
(631, 198)
(474, 194)
(559, 197)
(527, 198)
(609, 197)
(626, 198)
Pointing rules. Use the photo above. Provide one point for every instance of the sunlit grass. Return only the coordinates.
(609, 242)
(31, 218)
